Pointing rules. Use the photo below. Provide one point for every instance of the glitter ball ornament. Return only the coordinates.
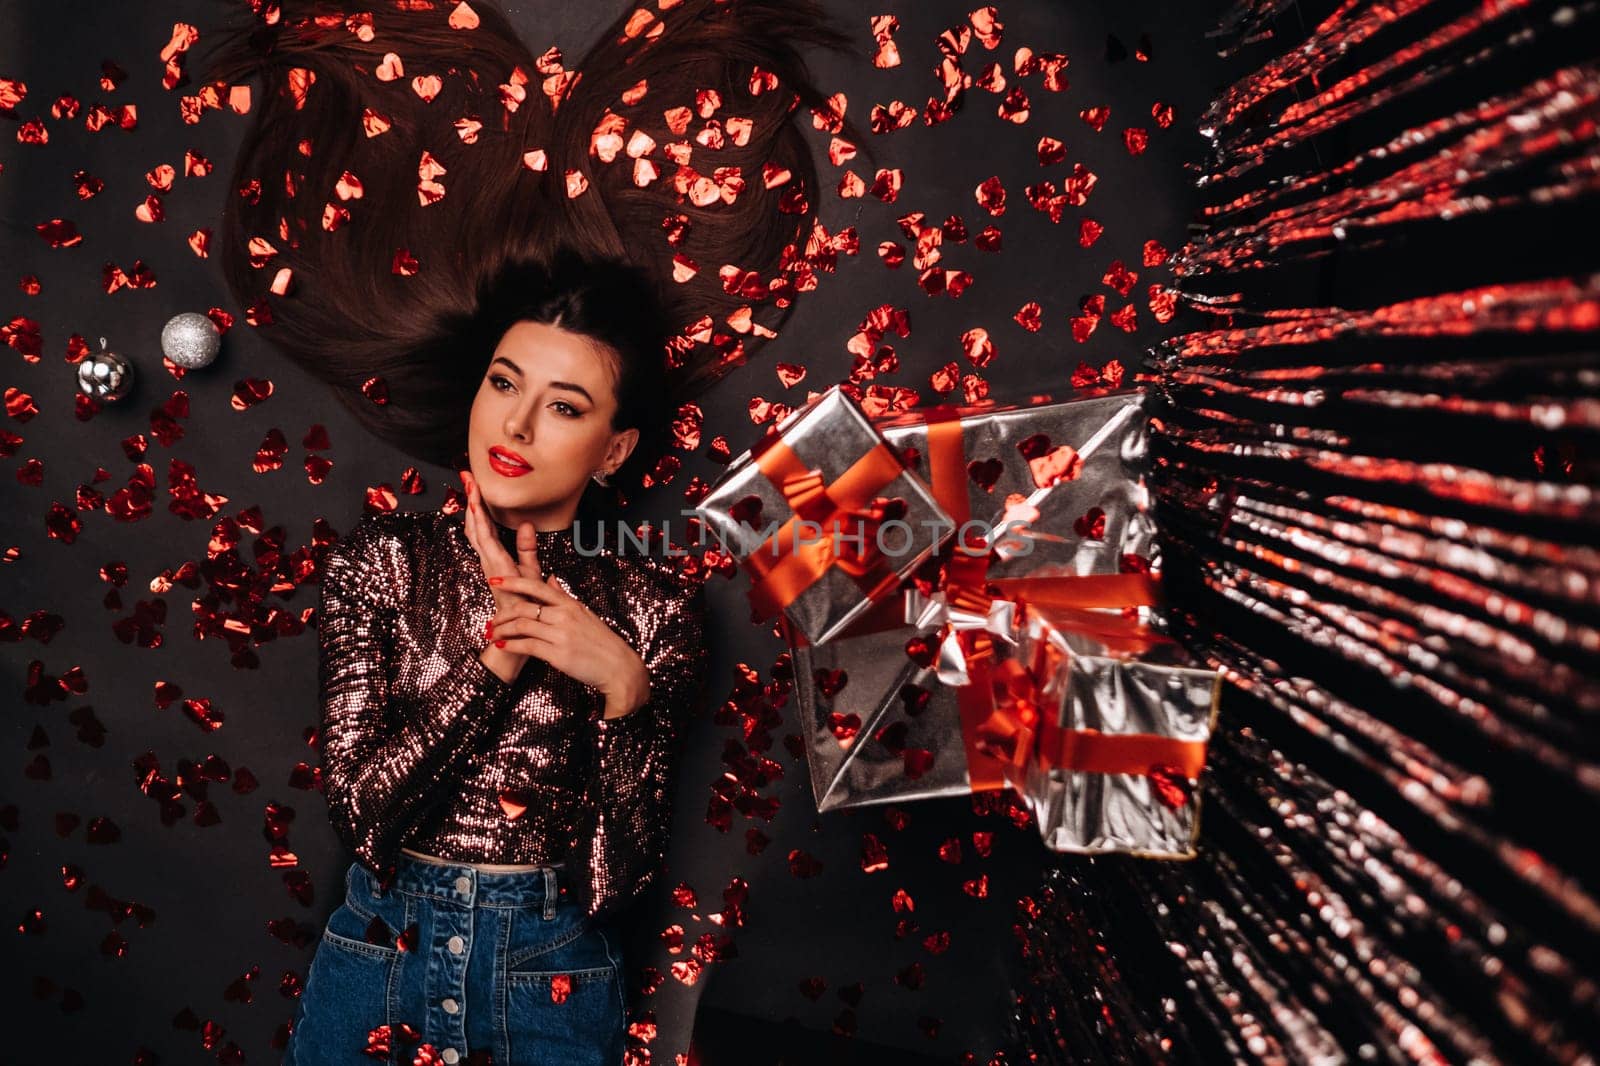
(105, 376)
(191, 340)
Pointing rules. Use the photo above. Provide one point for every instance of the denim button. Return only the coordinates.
(450, 1006)
(456, 945)
(463, 884)
(450, 1056)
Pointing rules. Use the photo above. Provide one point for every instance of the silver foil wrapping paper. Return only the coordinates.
(879, 726)
(827, 436)
(1089, 687)
(1109, 431)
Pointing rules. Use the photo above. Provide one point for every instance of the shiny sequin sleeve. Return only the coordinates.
(388, 760)
(620, 841)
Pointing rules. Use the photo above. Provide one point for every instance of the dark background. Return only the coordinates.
(198, 944)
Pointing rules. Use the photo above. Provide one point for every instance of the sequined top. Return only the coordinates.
(425, 747)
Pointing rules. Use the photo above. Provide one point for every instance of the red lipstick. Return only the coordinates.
(507, 463)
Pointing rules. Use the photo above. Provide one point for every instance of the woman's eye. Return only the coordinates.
(505, 384)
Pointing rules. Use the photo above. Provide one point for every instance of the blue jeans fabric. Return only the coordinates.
(502, 964)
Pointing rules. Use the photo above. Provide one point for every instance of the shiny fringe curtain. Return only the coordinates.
(1375, 463)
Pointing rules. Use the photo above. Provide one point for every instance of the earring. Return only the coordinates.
(599, 477)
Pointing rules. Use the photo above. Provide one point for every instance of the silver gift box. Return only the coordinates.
(860, 770)
(1155, 693)
(1109, 429)
(828, 435)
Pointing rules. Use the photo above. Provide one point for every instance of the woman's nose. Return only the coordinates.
(517, 426)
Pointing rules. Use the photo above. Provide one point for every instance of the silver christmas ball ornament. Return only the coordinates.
(105, 376)
(191, 340)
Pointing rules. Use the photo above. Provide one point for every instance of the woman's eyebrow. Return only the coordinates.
(579, 389)
(570, 386)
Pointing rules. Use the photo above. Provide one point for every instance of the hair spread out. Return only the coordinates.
(404, 159)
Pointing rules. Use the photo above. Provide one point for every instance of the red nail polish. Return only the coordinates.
(499, 643)
(488, 630)
(496, 580)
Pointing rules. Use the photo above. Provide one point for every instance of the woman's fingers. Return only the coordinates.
(532, 647)
(524, 621)
(541, 613)
(485, 539)
(538, 591)
(528, 551)
(481, 533)
(471, 515)
(474, 528)
(528, 627)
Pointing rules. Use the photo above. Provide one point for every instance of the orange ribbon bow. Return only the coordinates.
(787, 563)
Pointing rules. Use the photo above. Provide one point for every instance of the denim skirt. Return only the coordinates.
(456, 965)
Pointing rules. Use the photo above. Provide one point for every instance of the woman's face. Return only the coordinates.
(541, 425)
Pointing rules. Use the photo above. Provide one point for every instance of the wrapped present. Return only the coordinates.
(889, 710)
(1102, 726)
(1068, 474)
(824, 516)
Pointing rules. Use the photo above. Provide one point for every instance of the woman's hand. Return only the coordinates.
(548, 623)
(497, 562)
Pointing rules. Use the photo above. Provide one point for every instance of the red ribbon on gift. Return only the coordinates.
(1016, 734)
(964, 576)
(998, 738)
(1010, 732)
(998, 709)
(782, 567)
(947, 462)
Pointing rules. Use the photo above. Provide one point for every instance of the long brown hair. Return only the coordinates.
(378, 285)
